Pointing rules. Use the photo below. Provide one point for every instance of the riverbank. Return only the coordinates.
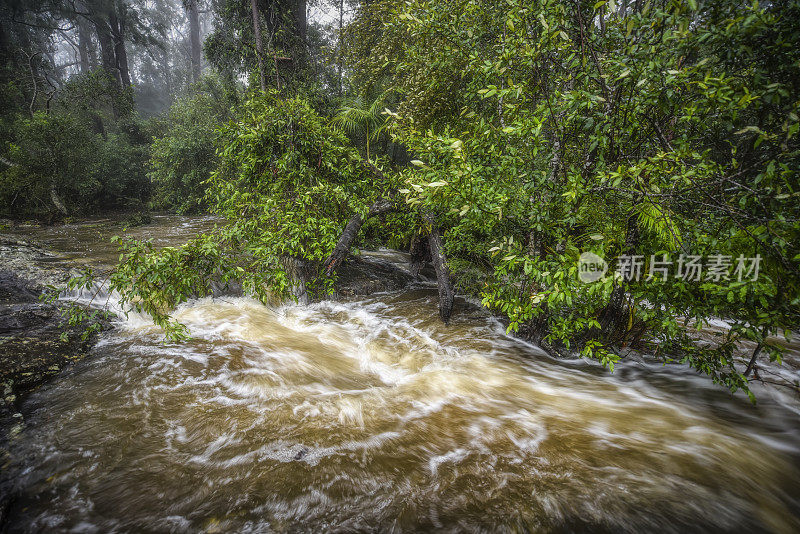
(36, 343)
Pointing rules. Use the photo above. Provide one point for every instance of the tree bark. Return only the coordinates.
(614, 315)
(339, 46)
(164, 59)
(107, 52)
(446, 292)
(84, 41)
(117, 23)
(57, 201)
(31, 61)
(194, 37)
(259, 44)
(752, 365)
(419, 253)
(299, 8)
(350, 233)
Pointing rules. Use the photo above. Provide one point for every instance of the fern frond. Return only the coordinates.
(661, 222)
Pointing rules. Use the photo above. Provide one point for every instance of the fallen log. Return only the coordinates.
(354, 225)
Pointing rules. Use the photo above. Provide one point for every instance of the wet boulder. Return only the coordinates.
(35, 339)
(15, 289)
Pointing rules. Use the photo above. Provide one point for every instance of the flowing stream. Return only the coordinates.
(370, 415)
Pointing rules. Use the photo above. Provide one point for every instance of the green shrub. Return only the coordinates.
(184, 156)
(86, 153)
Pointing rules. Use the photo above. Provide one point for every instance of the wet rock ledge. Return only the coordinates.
(32, 349)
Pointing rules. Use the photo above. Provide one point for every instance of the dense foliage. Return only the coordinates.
(71, 144)
(660, 128)
(184, 156)
(287, 183)
(661, 136)
(74, 157)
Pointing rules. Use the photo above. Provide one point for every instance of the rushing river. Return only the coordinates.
(370, 415)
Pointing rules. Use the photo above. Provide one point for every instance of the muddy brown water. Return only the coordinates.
(370, 415)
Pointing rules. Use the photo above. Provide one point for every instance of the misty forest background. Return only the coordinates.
(497, 139)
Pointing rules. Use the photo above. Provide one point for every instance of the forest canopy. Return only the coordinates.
(502, 141)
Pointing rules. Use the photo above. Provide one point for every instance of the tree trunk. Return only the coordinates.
(117, 22)
(446, 292)
(259, 44)
(92, 49)
(31, 63)
(107, 53)
(194, 37)
(339, 46)
(167, 72)
(84, 42)
(57, 201)
(300, 19)
(614, 316)
(350, 233)
(752, 365)
(419, 253)
(353, 226)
